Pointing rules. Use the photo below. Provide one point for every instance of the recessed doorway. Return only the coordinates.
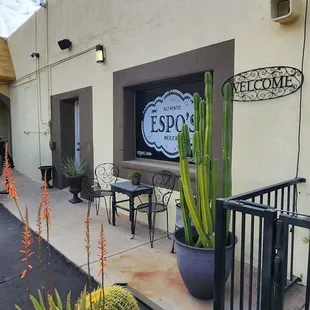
(71, 131)
(5, 121)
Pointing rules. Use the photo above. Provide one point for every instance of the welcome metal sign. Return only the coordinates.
(265, 83)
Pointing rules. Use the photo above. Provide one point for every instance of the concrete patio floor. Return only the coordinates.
(153, 272)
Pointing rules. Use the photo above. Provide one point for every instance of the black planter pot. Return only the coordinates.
(75, 189)
(48, 170)
(136, 180)
(196, 265)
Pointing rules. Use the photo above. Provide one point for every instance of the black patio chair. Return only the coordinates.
(94, 194)
(176, 226)
(163, 185)
(106, 173)
(99, 187)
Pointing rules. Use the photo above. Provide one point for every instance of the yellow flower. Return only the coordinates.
(95, 297)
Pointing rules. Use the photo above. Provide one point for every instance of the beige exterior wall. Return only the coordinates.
(139, 31)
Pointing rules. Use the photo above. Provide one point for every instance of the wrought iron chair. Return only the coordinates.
(93, 192)
(163, 185)
(99, 187)
(178, 220)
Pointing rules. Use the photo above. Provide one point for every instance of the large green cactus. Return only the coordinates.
(115, 298)
(201, 207)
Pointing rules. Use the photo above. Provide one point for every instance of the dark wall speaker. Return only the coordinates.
(64, 44)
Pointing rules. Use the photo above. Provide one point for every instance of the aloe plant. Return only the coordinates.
(51, 304)
(201, 207)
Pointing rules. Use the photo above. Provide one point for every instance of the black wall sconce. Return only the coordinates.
(64, 44)
(35, 55)
(100, 53)
(43, 3)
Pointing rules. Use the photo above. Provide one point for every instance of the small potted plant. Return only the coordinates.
(135, 177)
(74, 170)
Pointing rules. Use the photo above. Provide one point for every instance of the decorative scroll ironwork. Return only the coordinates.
(106, 174)
(265, 83)
(163, 185)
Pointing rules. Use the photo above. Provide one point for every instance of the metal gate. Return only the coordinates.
(258, 219)
(284, 224)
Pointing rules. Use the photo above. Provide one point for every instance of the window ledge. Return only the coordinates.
(155, 165)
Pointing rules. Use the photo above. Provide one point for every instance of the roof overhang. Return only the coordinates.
(7, 72)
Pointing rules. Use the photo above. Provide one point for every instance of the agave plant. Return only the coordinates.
(73, 168)
(201, 207)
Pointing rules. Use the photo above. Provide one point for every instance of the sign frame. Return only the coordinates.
(265, 83)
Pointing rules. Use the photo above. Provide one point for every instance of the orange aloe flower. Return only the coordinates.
(46, 204)
(87, 247)
(103, 251)
(9, 181)
(39, 223)
(8, 176)
(87, 236)
(26, 245)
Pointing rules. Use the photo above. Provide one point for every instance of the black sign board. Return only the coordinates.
(265, 83)
(161, 110)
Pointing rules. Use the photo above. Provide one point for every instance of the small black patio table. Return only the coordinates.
(131, 191)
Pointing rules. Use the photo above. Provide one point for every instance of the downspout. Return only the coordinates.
(37, 79)
(47, 64)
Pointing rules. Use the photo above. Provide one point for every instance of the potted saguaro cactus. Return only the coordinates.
(195, 244)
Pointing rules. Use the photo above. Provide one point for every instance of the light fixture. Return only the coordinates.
(43, 3)
(285, 11)
(35, 55)
(100, 53)
(64, 44)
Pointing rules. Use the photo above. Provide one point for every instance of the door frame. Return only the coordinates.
(77, 130)
(84, 96)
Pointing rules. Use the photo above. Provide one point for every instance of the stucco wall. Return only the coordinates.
(139, 31)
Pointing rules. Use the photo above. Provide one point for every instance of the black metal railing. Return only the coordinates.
(257, 212)
(284, 223)
(282, 196)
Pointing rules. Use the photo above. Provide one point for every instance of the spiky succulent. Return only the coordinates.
(51, 303)
(201, 207)
(72, 168)
(115, 298)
